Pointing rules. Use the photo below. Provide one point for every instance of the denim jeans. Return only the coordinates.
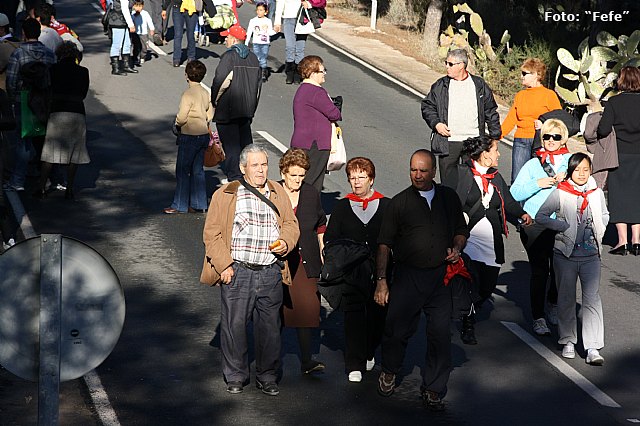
(294, 43)
(120, 42)
(179, 21)
(261, 51)
(22, 150)
(191, 189)
(520, 154)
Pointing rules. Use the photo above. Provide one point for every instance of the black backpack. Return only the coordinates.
(37, 81)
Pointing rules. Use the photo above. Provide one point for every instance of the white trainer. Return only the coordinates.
(569, 351)
(540, 327)
(552, 314)
(594, 357)
(371, 363)
(355, 376)
(9, 244)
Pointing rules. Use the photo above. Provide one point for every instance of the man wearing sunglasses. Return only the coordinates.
(458, 107)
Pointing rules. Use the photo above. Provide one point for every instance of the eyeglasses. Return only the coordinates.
(450, 64)
(548, 136)
(358, 178)
(525, 73)
(324, 71)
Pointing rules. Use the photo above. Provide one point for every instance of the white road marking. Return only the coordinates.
(97, 7)
(553, 359)
(156, 49)
(100, 399)
(273, 141)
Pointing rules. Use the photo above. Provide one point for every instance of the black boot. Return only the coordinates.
(128, 64)
(289, 69)
(265, 75)
(468, 333)
(115, 67)
(297, 77)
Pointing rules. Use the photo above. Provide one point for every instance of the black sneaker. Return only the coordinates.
(234, 387)
(268, 388)
(432, 401)
(386, 383)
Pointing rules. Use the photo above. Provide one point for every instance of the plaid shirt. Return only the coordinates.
(27, 52)
(255, 227)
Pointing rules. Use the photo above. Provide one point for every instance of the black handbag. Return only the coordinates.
(341, 256)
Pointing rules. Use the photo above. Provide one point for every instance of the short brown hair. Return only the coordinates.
(196, 71)
(294, 157)
(361, 164)
(535, 65)
(629, 79)
(308, 65)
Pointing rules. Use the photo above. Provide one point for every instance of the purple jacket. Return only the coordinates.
(313, 112)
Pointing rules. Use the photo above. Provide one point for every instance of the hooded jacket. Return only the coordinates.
(240, 99)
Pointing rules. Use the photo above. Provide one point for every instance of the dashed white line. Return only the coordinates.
(100, 400)
(97, 7)
(273, 141)
(553, 359)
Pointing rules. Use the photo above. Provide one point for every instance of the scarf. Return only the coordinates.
(454, 269)
(486, 177)
(567, 187)
(543, 154)
(365, 201)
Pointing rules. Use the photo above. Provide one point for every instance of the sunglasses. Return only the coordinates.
(525, 73)
(548, 136)
(450, 64)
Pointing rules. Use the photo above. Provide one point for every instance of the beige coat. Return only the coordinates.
(195, 111)
(218, 229)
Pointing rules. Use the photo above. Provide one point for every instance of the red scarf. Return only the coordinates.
(454, 269)
(543, 154)
(567, 187)
(485, 189)
(365, 201)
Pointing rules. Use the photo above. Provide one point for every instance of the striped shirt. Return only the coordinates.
(255, 227)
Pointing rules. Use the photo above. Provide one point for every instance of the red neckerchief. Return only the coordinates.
(567, 187)
(485, 188)
(543, 154)
(365, 201)
(454, 269)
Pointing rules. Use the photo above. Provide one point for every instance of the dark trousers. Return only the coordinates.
(180, 20)
(414, 290)
(234, 135)
(449, 163)
(257, 296)
(539, 247)
(488, 276)
(139, 44)
(318, 159)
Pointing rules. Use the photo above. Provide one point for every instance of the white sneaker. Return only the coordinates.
(355, 376)
(568, 351)
(371, 363)
(540, 327)
(594, 357)
(552, 314)
(9, 244)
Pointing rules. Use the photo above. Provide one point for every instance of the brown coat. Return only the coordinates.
(218, 229)
(604, 150)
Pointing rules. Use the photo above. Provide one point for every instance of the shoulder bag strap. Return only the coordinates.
(258, 194)
(548, 169)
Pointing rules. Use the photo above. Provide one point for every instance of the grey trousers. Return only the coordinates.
(257, 296)
(568, 270)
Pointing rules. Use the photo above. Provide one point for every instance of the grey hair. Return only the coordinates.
(250, 149)
(459, 55)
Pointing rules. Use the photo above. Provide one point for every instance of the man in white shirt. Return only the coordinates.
(48, 36)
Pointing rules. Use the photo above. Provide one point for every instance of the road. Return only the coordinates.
(166, 369)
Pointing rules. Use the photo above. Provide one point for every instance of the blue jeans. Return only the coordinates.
(261, 51)
(179, 21)
(294, 43)
(120, 41)
(191, 189)
(22, 150)
(520, 154)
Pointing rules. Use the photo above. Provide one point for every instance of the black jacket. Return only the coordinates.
(240, 99)
(469, 194)
(435, 108)
(208, 6)
(116, 17)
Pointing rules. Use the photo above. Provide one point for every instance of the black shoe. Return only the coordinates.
(312, 366)
(635, 249)
(432, 401)
(386, 383)
(115, 66)
(68, 194)
(268, 388)
(127, 61)
(621, 250)
(39, 194)
(234, 387)
(468, 333)
(289, 70)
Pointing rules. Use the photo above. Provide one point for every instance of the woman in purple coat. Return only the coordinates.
(313, 112)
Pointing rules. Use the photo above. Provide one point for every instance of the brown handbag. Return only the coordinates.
(214, 154)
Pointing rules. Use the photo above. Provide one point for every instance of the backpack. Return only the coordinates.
(37, 82)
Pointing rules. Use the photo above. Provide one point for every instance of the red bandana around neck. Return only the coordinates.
(486, 177)
(543, 154)
(365, 201)
(567, 187)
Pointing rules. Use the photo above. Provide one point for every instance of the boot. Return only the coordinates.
(297, 77)
(115, 66)
(128, 64)
(289, 69)
(265, 75)
(468, 334)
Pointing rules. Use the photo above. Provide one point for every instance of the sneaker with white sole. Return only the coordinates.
(552, 314)
(569, 351)
(371, 363)
(9, 244)
(540, 327)
(594, 357)
(355, 376)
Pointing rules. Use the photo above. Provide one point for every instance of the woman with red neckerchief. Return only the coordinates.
(486, 201)
(358, 217)
(536, 180)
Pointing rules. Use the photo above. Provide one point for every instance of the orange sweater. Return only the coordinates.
(528, 105)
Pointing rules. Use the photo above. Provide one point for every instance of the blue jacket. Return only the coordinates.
(525, 188)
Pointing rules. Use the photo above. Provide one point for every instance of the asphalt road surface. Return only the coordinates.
(166, 368)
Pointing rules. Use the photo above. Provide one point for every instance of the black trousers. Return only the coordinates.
(414, 290)
(488, 276)
(449, 163)
(318, 159)
(234, 135)
(539, 247)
